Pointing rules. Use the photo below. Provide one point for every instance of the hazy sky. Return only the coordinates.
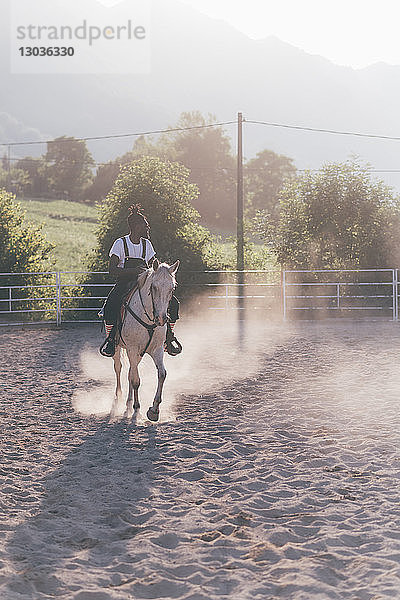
(348, 32)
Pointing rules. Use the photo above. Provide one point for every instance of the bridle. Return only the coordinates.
(150, 293)
(149, 326)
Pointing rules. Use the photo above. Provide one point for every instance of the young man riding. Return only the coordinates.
(130, 256)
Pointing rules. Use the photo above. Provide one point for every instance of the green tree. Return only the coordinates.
(149, 146)
(107, 174)
(335, 218)
(22, 245)
(69, 167)
(166, 195)
(104, 180)
(15, 180)
(207, 152)
(264, 177)
(36, 170)
(23, 249)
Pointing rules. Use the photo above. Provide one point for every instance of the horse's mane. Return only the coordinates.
(142, 278)
(161, 273)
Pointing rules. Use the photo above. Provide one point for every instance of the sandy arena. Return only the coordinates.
(273, 473)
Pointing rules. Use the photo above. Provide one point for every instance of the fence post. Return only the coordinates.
(10, 299)
(338, 295)
(395, 296)
(58, 299)
(284, 293)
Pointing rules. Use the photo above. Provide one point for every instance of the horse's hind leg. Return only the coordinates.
(154, 411)
(134, 383)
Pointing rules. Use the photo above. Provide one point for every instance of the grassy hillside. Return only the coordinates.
(69, 225)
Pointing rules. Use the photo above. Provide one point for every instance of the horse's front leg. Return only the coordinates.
(118, 389)
(117, 369)
(154, 411)
(134, 383)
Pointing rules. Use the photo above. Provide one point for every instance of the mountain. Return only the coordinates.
(205, 64)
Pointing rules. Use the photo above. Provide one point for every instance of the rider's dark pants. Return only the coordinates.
(173, 309)
(114, 302)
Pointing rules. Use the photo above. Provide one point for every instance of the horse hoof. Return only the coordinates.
(152, 414)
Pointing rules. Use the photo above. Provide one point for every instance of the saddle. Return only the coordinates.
(112, 340)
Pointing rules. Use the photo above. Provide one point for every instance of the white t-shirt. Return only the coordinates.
(135, 250)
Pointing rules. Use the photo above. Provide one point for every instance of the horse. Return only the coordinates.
(143, 331)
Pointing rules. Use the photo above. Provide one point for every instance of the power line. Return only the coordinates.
(196, 168)
(194, 127)
(118, 135)
(210, 125)
(333, 131)
(69, 161)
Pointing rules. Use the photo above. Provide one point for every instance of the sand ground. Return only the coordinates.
(274, 472)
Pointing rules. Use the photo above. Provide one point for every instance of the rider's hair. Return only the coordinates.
(136, 216)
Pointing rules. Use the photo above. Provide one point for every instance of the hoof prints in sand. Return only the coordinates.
(282, 485)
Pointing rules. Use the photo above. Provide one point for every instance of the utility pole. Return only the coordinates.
(240, 238)
(9, 168)
(239, 192)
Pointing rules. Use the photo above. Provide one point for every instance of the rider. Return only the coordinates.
(129, 256)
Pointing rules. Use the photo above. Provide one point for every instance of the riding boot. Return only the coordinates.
(171, 345)
(170, 330)
(108, 346)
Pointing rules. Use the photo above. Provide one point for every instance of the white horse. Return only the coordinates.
(143, 331)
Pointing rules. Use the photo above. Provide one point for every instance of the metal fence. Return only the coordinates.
(77, 296)
(372, 291)
(62, 297)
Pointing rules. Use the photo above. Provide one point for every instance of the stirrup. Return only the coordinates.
(172, 346)
(111, 351)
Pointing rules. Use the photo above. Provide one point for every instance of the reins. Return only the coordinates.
(149, 326)
(152, 302)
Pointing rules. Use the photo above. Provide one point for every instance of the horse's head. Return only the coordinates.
(162, 287)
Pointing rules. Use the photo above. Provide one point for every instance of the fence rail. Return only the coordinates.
(377, 291)
(60, 297)
(77, 296)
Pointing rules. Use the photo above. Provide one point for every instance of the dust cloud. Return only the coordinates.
(219, 346)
